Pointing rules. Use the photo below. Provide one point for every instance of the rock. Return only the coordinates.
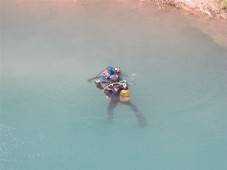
(212, 8)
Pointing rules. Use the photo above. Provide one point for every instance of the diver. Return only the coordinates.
(113, 86)
(106, 74)
(117, 91)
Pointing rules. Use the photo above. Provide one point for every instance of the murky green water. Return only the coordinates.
(53, 119)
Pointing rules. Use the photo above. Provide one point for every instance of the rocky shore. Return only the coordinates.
(212, 8)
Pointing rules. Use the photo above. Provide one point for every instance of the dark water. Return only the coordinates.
(53, 119)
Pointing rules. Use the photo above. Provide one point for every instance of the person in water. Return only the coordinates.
(112, 85)
(114, 92)
(106, 74)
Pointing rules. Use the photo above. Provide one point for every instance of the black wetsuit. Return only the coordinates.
(114, 100)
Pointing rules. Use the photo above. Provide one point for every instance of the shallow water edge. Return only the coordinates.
(210, 17)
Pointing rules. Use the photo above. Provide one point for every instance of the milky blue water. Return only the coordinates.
(51, 118)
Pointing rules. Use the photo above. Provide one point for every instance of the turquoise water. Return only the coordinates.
(53, 119)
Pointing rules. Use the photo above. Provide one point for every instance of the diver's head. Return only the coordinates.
(114, 78)
(117, 70)
(106, 75)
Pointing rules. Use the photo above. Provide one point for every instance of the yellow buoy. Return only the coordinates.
(124, 96)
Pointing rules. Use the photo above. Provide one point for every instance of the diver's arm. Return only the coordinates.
(93, 78)
(105, 81)
(98, 84)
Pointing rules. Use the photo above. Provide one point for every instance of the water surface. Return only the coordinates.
(53, 119)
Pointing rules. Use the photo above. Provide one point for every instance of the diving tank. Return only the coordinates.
(124, 96)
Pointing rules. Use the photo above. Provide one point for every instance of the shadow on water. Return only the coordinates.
(139, 116)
